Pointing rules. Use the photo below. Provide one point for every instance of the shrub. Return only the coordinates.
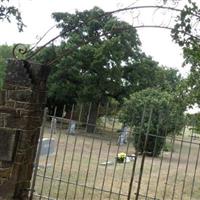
(164, 113)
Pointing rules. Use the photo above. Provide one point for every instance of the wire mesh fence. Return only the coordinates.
(79, 159)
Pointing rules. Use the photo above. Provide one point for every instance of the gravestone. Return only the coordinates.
(72, 127)
(47, 147)
(123, 136)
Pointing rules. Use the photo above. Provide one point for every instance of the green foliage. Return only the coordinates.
(185, 33)
(168, 147)
(101, 60)
(194, 122)
(160, 115)
(148, 74)
(101, 48)
(7, 12)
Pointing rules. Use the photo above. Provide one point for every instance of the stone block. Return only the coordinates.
(6, 109)
(1, 121)
(39, 96)
(32, 135)
(10, 86)
(39, 75)
(30, 113)
(5, 172)
(29, 106)
(17, 74)
(20, 95)
(10, 103)
(2, 97)
(20, 122)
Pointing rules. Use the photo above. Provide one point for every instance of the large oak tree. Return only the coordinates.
(102, 49)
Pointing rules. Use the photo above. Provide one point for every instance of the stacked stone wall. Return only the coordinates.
(22, 102)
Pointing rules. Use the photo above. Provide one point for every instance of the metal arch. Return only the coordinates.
(23, 51)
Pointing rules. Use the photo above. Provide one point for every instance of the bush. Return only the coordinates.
(164, 113)
(154, 143)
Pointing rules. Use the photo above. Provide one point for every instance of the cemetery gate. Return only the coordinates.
(75, 163)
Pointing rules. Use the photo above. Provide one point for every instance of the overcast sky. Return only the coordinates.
(37, 16)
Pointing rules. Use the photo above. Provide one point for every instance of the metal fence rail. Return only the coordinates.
(82, 165)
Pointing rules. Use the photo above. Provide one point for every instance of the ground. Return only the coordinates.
(74, 171)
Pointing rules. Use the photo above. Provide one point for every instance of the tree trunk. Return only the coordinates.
(92, 118)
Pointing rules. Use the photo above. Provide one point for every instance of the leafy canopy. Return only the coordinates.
(186, 34)
(7, 12)
(161, 116)
(103, 60)
(102, 47)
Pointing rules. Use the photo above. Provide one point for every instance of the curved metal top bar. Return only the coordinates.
(137, 27)
(146, 7)
(106, 13)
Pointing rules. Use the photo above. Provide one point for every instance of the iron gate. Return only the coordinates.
(74, 164)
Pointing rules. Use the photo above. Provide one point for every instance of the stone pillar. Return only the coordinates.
(22, 102)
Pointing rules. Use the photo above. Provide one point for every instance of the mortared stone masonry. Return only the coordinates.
(22, 102)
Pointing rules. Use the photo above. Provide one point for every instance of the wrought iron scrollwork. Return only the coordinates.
(19, 51)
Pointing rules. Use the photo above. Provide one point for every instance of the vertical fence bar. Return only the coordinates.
(96, 169)
(88, 117)
(194, 177)
(71, 163)
(79, 168)
(72, 112)
(114, 170)
(179, 158)
(173, 139)
(170, 161)
(64, 156)
(56, 154)
(38, 154)
(105, 121)
(47, 158)
(108, 153)
(122, 177)
(160, 167)
(124, 166)
(104, 176)
(136, 154)
(79, 116)
(154, 150)
(143, 156)
(86, 178)
(90, 155)
(188, 158)
(113, 123)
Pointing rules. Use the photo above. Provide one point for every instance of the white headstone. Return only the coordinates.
(123, 136)
(72, 127)
(47, 147)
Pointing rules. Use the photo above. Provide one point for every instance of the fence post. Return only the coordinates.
(21, 108)
(37, 157)
(143, 156)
